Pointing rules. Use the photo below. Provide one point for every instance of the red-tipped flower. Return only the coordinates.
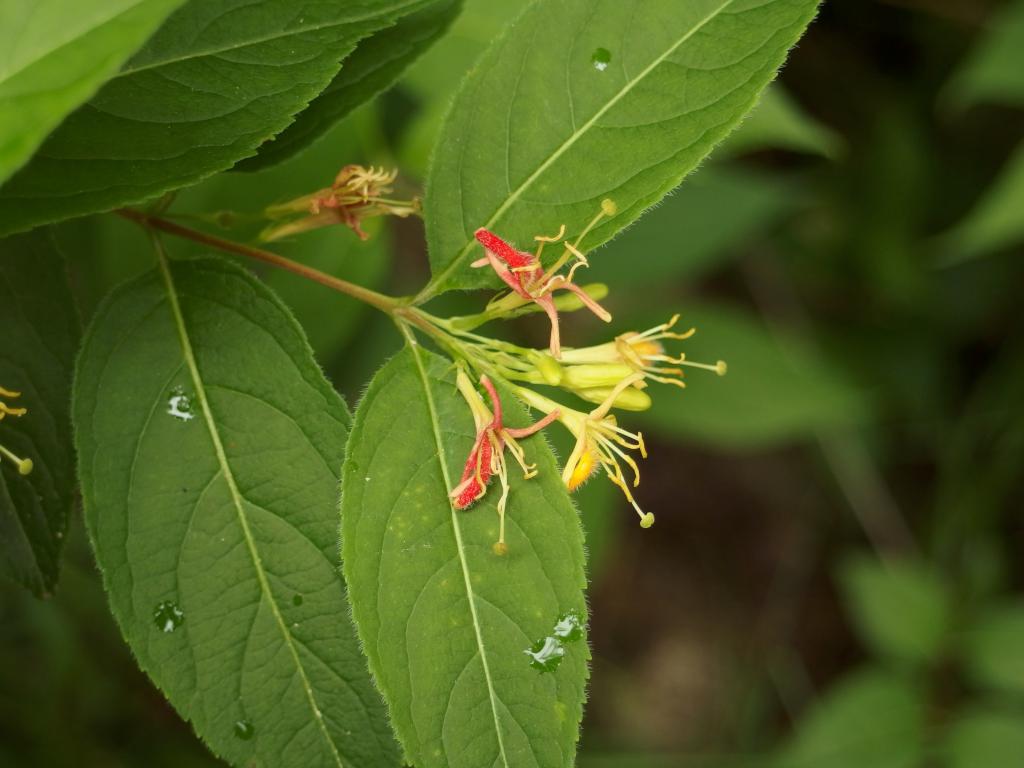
(487, 457)
(525, 275)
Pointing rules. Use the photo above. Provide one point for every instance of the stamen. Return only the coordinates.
(544, 240)
(24, 465)
(720, 367)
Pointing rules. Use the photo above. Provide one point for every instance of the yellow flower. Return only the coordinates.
(642, 353)
(24, 465)
(600, 442)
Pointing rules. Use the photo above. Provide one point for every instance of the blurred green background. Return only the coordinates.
(836, 576)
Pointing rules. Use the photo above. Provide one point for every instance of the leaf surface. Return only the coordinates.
(900, 607)
(445, 621)
(994, 649)
(51, 61)
(376, 63)
(210, 447)
(994, 71)
(218, 79)
(580, 101)
(871, 717)
(40, 330)
(779, 122)
(994, 223)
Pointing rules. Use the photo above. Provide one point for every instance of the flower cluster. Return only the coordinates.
(24, 465)
(356, 194)
(614, 375)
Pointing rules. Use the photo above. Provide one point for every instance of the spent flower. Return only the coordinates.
(356, 194)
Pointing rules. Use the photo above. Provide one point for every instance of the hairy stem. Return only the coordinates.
(384, 303)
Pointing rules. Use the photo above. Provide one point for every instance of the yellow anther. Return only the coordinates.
(647, 520)
(608, 207)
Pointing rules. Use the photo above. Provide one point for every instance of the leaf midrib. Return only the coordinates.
(381, 13)
(470, 594)
(431, 289)
(236, 496)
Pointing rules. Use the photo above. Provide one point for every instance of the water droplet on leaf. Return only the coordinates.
(601, 58)
(568, 627)
(168, 616)
(180, 405)
(545, 655)
(244, 730)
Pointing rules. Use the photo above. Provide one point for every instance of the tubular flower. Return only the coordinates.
(24, 465)
(643, 353)
(356, 194)
(487, 457)
(524, 273)
(601, 442)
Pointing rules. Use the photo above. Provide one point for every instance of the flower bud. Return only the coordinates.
(599, 375)
(549, 368)
(629, 399)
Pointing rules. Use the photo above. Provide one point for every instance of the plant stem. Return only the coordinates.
(387, 304)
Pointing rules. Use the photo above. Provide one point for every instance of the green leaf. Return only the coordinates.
(376, 63)
(870, 718)
(994, 70)
(444, 620)
(40, 331)
(779, 122)
(776, 389)
(540, 132)
(994, 223)
(994, 649)
(696, 228)
(54, 60)
(209, 451)
(983, 736)
(216, 81)
(900, 607)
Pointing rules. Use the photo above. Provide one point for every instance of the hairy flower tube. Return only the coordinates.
(487, 456)
(600, 443)
(356, 194)
(24, 465)
(526, 275)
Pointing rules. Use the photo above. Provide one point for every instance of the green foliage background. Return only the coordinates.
(836, 575)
